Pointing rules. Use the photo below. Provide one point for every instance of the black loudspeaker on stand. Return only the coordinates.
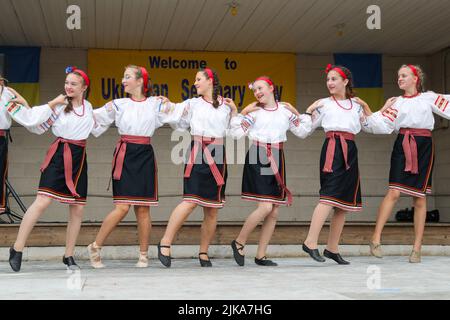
(9, 215)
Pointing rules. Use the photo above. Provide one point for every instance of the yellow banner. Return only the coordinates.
(172, 73)
(30, 91)
(373, 96)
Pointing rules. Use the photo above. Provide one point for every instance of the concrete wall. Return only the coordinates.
(302, 156)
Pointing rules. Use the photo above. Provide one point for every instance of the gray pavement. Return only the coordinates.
(392, 277)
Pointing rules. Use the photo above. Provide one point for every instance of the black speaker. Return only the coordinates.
(407, 215)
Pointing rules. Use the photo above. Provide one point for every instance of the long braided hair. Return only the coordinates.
(216, 86)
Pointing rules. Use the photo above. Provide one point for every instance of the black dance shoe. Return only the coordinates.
(265, 262)
(335, 256)
(70, 263)
(15, 259)
(239, 258)
(314, 253)
(204, 263)
(165, 260)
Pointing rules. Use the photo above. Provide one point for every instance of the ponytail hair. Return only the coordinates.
(211, 74)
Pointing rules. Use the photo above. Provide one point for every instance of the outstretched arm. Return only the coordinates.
(301, 126)
(18, 98)
(316, 112)
(441, 105)
(37, 119)
(250, 108)
(382, 121)
(364, 105)
(291, 108)
(241, 123)
(104, 117)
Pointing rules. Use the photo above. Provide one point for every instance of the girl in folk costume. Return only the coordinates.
(64, 170)
(205, 175)
(134, 170)
(265, 122)
(412, 159)
(30, 117)
(341, 116)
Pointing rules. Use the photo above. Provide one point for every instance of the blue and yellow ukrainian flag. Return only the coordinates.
(367, 76)
(22, 71)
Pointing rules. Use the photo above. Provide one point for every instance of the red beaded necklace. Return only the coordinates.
(82, 113)
(273, 109)
(351, 104)
(220, 99)
(414, 95)
(135, 100)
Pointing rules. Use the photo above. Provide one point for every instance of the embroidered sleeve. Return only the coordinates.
(301, 126)
(317, 117)
(440, 105)
(240, 125)
(183, 115)
(170, 113)
(380, 122)
(37, 119)
(104, 117)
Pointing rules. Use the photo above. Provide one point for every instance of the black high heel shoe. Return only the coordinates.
(165, 260)
(204, 263)
(314, 253)
(70, 263)
(15, 259)
(239, 258)
(335, 256)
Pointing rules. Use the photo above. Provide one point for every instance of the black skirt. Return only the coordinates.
(417, 185)
(201, 187)
(53, 183)
(341, 188)
(138, 184)
(258, 180)
(3, 171)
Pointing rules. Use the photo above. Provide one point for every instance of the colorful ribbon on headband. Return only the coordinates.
(144, 78)
(83, 74)
(337, 69)
(210, 74)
